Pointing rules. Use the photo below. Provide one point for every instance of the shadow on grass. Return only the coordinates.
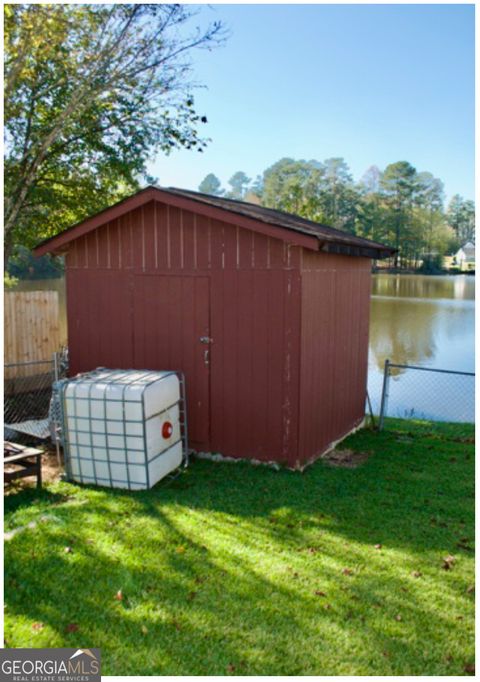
(198, 612)
(25, 497)
(233, 569)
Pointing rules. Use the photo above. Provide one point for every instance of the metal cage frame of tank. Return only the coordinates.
(100, 480)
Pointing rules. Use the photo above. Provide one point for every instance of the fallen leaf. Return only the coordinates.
(417, 574)
(469, 668)
(119, 595)
(398, 617)
(328, 606)
(68, 550)
(319, 593)
(347, 571)
(180, 549)
(71, 627)
(230, 668)
(37, 626)
(379, 546)
(448, 562)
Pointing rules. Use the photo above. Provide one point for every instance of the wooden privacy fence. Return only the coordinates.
(32, 331)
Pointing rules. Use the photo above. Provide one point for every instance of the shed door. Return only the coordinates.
(172, 332)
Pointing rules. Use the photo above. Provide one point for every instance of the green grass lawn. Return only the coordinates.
(236, 569)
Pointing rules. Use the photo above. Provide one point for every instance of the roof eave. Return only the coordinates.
(373, 252)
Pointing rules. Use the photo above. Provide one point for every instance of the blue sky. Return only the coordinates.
(372, 83)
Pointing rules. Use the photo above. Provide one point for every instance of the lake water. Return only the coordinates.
(415, 320)
(427, 322)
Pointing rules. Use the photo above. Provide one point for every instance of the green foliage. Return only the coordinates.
(211, 185)
(23, 265)
(9, 282)
(91, 92)
(294, 187)
(431, 264)
(461, 218)
(235, 569)
(239, 183)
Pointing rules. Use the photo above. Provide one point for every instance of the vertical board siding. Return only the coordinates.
(159, 237)
(32, 329)
(99, 320)
(334, 350)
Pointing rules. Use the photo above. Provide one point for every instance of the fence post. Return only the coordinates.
(383, 404)
(56, 426)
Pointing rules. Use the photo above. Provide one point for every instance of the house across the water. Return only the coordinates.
(463, 259)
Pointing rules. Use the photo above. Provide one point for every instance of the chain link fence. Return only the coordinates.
(27, 394)
(427, 394)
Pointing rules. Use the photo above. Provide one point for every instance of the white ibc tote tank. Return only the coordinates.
(123, 428)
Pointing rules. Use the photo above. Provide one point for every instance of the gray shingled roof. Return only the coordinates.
(286, 220)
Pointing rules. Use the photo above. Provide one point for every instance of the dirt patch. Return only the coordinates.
(345, 458)
(51, 472)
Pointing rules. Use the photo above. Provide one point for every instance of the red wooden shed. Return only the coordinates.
(266, 314)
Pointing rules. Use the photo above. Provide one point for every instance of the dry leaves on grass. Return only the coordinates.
(71, 627)
(119, 596)
(448, 562)
(345, 458)
(37, 626)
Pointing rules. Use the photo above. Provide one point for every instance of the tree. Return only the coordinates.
(91, 92)
(211, 185)
(256, 189)
(461, 218)
(338, 200)
(293, 186)
(370, 181)
(398, 183)
(239, 183)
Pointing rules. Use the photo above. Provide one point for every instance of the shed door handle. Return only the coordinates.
(206, 356)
